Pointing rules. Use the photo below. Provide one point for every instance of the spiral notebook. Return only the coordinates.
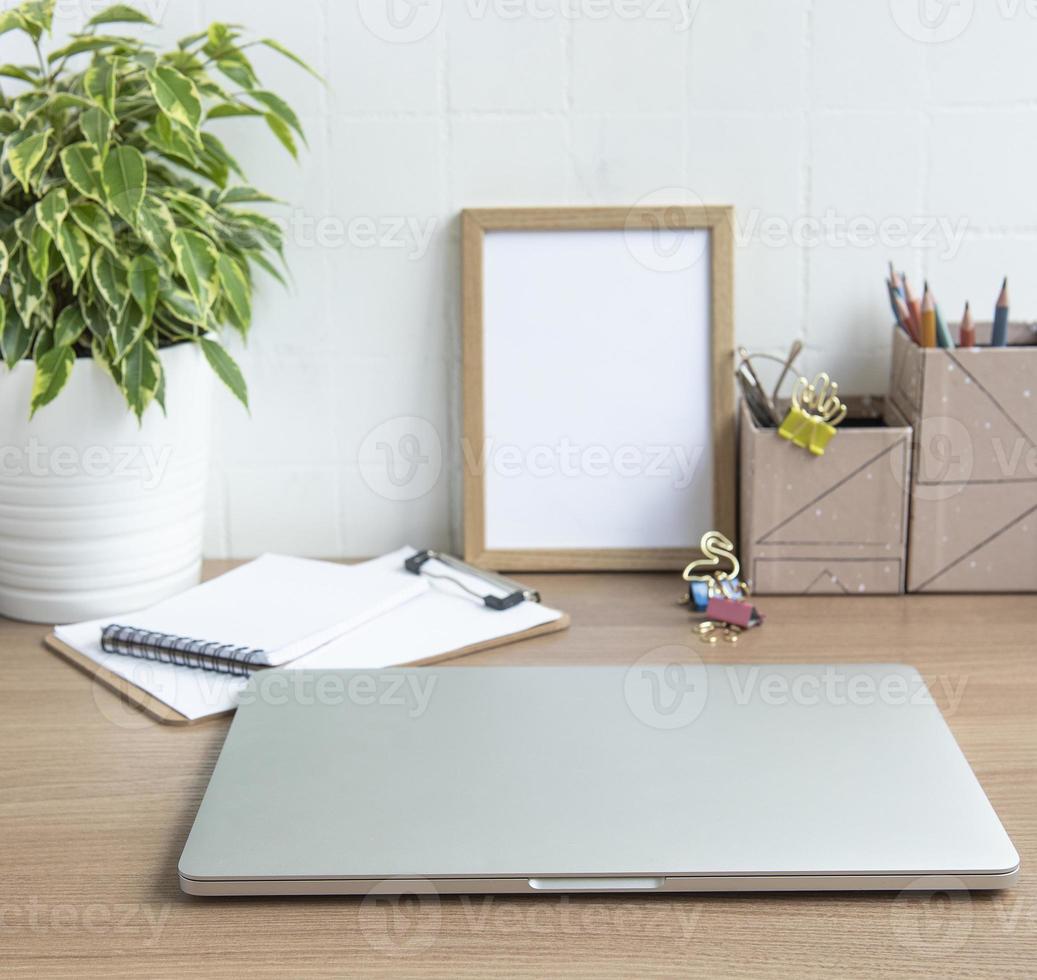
(188, 657)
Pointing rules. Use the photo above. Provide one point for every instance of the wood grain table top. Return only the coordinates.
(96, 802)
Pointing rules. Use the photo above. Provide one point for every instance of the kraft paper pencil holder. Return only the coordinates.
(832, 524)
(973, 524)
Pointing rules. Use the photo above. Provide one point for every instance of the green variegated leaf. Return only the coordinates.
(156, 225)
(269, 229)
(280, 129)
(94, 220)
(237, 289)
(52, 210)
(181, 305)
(99, 83)
(276, 105)
(91, 42)
(53, 370)
(196, 260)
(244, 195)
(215, 149)
(119, 13)
(143, 279)
(220, 40)
(26, 290)
(290, 55)
(82, 166)
(37, 16)
(74, 247)
(68, 100)
(176, 96)
(193, 209)
(265, 264)
(11, 20)
(192, 39)
(109, 276)
(238, 69)
(24, 73)
(102, 355)
(141, 376)
(39, 252)
(15, 337)
(171, 139)
(23, 158)
(127, 329)
(5, 257)
(226, 369)
(230, 110)
(125, 179)
(69, 326)
(96, 126)
(25, 226)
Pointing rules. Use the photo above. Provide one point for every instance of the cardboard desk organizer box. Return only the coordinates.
(835, 523)
(974, 473)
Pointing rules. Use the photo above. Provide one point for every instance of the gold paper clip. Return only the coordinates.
(814, 413)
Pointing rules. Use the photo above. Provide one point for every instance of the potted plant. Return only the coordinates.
(128, 240)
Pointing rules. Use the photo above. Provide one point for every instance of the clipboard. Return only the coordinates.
(159, 711)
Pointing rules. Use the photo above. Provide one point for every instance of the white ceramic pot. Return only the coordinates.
(97, 514)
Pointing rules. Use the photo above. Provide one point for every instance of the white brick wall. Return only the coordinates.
(785, 108)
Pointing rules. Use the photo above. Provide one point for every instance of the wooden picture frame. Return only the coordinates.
(717, 222)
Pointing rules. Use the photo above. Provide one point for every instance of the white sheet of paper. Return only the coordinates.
(439, 621)
(285, 605)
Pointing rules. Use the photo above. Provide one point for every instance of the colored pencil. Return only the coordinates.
(914, 305)
(943, 335)
(967, 330)
(893, 297)
(999, 337)
(928, 319)
(904, 318)
(894, 280)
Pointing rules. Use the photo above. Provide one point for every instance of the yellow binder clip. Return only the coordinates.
(814, 413)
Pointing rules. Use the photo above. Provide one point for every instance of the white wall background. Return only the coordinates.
(862, 118)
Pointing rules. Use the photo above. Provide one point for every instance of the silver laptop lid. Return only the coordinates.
(677, 770)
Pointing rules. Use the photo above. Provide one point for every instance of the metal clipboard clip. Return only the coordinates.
(515, 593)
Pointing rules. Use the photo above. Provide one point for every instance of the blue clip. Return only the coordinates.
(698, 592)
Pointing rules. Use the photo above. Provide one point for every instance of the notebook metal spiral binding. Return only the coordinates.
(181, 651)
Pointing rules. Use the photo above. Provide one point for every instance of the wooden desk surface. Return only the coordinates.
(97, 801)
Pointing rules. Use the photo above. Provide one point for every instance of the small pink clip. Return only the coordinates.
(734, 612)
